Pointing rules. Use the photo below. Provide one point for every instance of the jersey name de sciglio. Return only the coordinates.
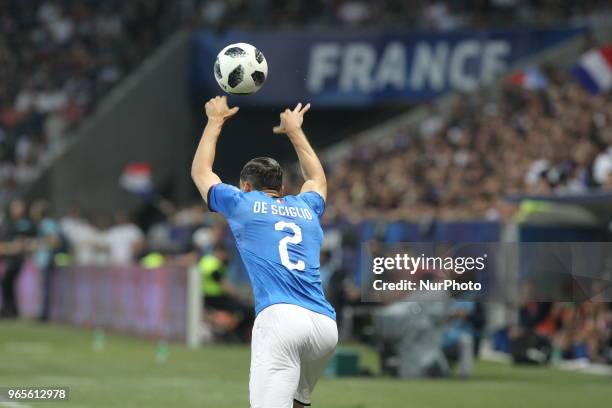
(262, 207)
(279, 241)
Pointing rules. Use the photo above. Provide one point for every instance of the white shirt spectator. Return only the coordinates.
(61, 30)
(25, 100)
(534, 173)
(23, 148)
(50, 101)
(430, 126)
(54, 126)
(353, 12)
(84, 238)
(438, 16)
(25, 172)
(602, 166)
(122, 240)
(214, 11)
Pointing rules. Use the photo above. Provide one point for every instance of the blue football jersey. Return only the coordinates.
(279, 241)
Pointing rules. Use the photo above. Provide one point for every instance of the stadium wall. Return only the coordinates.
(125, 299)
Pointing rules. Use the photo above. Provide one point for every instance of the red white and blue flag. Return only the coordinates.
(530, 78)
(136, 178)
(594, 70)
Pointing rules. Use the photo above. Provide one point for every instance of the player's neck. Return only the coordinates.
(272, 193)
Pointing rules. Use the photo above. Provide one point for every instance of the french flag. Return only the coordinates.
(531, 78)
(136, 178)
(594, 70)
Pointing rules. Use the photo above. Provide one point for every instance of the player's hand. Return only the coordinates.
(217, 109)
(291, 120)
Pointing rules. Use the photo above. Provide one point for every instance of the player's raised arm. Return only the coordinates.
(312, 170)
(202, 173)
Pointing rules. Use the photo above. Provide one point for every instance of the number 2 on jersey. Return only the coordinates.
(296, 238)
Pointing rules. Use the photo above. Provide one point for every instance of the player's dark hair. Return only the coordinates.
(263, 173)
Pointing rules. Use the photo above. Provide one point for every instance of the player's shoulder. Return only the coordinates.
(293, 199)
(311, 196)
(224, 198)
(311, 199)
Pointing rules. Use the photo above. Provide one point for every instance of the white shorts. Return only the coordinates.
(289, 350)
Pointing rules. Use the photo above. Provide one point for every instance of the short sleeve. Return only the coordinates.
(314, 201)
(223, 198)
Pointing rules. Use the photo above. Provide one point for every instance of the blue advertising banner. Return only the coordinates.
(359, 69)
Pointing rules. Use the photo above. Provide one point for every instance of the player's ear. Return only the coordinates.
(246, 186)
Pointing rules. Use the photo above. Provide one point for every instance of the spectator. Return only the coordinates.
(49, 243)
(13, 249)
(125, 240)
(220, 294)
(85, 239)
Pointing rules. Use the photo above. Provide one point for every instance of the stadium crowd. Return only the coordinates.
(440, 15)
(556, 331)
(57, 58)
(462, 163)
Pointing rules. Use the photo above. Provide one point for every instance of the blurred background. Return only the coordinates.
(486, 121)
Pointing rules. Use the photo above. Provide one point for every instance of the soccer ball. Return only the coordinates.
(241, 69)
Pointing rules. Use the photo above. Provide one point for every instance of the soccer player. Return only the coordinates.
(279, 239)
